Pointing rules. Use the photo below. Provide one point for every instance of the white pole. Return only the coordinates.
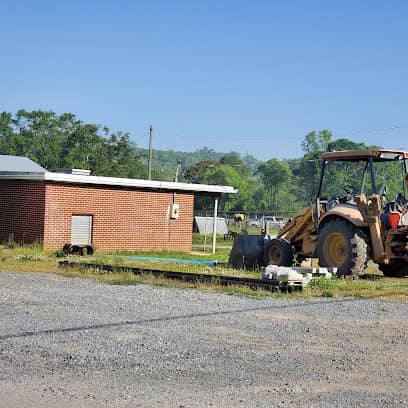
(205, 233)
(214, 240)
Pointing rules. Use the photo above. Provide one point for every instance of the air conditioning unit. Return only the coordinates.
(174, 211)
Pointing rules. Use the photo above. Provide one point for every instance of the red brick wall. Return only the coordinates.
(22, 206)
(123, 219)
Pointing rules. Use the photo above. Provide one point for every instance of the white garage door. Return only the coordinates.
(81, 229)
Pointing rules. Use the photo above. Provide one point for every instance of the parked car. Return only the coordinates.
(274, 221)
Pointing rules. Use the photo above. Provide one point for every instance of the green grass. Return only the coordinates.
(28, 259)
(198, 239)
(393, 289)
(221, 255)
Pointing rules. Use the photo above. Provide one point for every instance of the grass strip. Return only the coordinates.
(32, 259)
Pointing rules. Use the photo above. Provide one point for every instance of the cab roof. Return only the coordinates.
(375, 154)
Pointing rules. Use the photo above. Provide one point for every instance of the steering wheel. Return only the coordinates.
(350, 189)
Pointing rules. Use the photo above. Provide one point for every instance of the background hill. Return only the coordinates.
(165, 162)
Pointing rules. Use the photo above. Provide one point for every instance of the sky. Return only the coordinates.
(250, 76)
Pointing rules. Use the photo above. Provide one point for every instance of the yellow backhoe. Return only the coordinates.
(347, 230)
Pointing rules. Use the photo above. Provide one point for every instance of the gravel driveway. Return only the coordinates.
(73, 343)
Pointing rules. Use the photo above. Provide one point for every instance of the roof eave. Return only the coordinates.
(121, 182)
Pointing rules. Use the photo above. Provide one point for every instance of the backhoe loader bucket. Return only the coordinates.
(247, 252)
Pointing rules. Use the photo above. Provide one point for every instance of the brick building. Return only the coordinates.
(110, 213)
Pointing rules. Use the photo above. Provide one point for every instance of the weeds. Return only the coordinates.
(382, 308)
(29, 258)
(327, 293)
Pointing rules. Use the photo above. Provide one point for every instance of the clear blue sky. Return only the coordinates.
(250, 76)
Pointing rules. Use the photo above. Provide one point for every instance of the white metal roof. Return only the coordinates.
(12, 164)
(116, 181)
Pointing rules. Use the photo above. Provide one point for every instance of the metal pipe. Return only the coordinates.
(373, 184)
(363, 182)
(324, 165)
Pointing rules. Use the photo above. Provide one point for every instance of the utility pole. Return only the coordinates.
(150, 153)
(179, 164)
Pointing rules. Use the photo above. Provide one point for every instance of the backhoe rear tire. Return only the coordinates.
(342, 245)
(397, 269)
(278, 252)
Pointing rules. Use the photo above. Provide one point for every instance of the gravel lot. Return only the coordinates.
(74, 343)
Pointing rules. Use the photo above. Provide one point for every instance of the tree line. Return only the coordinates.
(64, 141)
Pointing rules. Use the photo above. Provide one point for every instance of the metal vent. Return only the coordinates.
(79, 172)
(81, 229)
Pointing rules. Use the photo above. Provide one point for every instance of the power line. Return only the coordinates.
(379, 130)
(343, 134)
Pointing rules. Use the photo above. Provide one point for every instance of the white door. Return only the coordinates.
(81, 229)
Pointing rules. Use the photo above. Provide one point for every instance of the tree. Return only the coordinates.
(40, 137)
(230, 176)
(316, 142)
(229, 171)
(307, 171)
(233, 159)
(7, 136)
(80, 146)
(63, 141)
(345, 144)
(198, 173)
(274, 174)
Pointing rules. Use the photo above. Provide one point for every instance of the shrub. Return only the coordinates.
(59, 253)
(323, 283)
(11, 243)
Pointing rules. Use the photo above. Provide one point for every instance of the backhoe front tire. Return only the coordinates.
(342, 245)
(278, 252)
(397, 269)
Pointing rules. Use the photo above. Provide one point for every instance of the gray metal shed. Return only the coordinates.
(204, 225)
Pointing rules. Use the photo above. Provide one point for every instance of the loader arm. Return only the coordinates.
(301, 231)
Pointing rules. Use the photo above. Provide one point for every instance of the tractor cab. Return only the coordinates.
(379, 174)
